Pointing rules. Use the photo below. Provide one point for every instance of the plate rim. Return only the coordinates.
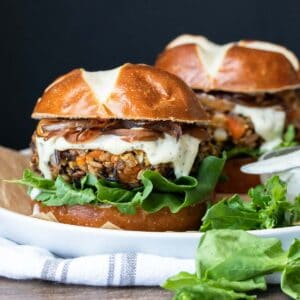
(152, 234)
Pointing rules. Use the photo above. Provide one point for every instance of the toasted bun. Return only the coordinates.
(237, 181)
(244, 66)
(136, 92)
(188, 218)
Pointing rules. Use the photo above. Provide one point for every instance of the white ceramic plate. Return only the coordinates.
(71, 241)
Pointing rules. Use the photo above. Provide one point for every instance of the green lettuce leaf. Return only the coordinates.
(66, 194)
(231, 263)
(181, 280)
(290, 279)
(237, 255)
(185, 279)
(156, 192)
(206, 291)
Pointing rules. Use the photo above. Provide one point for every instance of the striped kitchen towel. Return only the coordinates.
(123, 269)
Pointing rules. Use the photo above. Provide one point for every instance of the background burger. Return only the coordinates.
(127, 147)
(250, 90)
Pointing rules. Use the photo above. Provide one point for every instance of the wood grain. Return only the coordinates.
(41, 290)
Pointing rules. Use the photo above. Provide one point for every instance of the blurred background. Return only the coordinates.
(41, 40)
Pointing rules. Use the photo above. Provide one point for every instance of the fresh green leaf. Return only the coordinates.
(289, 137)
(242, 151)
(257, 283)
(206, 291)
(271, 203)
(167, 194)
(181, 280)
(295, 211)
(231, 213)
(237, 255)
(66, 194)
(290, 279)
(185, 279)
(230, 263)
(268, 207)
(156, 192)
(35, 181)
(208, 175)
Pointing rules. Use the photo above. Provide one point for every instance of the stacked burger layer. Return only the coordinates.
(136, 148)
(250, 89)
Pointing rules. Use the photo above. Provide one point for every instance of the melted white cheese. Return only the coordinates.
(268, 123)
(273, 48)
(181, 153)
(102, 82)
(213, 54)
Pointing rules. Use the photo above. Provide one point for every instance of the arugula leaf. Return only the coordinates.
(156, 192)
(268, 207)
(290, 279)
(295, 213)
(289, 137)
(35, 181)
(271, 203)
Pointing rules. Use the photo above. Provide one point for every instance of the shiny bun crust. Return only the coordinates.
(188, 218)
(136, 92)
(244, 66)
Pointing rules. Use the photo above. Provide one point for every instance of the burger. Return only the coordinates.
(250, 89)
(125, 148)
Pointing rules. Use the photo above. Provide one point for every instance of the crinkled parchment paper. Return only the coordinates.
(13, 196)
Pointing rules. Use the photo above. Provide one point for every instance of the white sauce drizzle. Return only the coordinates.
(181, 153)
(268, 123)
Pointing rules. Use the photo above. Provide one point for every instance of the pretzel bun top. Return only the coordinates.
(243, 66)
(131, 91)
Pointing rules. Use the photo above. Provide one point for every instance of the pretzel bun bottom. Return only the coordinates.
(188, 218)
(237, 182)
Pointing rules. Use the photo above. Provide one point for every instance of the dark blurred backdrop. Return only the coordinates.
(43, 39)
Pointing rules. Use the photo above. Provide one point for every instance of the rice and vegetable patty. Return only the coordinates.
(74, 164)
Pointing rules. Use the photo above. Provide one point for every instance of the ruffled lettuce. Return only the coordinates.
(155, 193)
(232, 264)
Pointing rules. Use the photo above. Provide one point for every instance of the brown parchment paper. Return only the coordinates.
(13, 196)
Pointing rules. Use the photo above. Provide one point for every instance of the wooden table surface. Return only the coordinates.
(41, 290)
